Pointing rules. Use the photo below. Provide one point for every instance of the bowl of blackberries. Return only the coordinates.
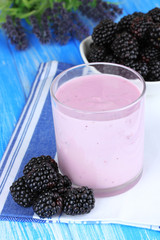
(134, 42)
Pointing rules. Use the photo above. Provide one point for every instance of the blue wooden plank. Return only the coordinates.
(34, 231)
(122, 232)
(12, 97)
(138, 5)
(27, 62)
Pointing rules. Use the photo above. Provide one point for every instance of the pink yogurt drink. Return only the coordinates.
(99, 128)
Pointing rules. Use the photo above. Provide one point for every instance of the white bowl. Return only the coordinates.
(84, 47)
(152, 88)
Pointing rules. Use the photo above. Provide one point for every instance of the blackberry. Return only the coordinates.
(140, 67)
(125, 23)
(125, 46)
(48, 204)
(96, 53)
(104, 32)
(154, 71)
(21, 193)
(42, 176)
(37, 161)
(155, 14)
(140, 26)
(154, 35)
(149, 53)
(63, 185)
(78, 201)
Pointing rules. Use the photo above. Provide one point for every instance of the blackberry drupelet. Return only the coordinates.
(154, 71)
(78, 201)
(42, 176)
(21, 193)
(48, 204)
(154, 35)
(104, 32)
(149, 54)
(155, 14)
(125, 46)
(96, 53)
(37, 161)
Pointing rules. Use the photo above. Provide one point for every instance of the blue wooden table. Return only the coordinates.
(17, 72)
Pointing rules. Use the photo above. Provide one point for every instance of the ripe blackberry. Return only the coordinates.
(140, 67)
(155, 14)
(154, 71)
(125, 46)
(63, 185)
(104, 32)
(21, 193)
(48, 204)
(37, 161)
(154, 35)
(42, 176)
(149, 54)
(78, 201)
(125, 23)
(96, 53)
(140, 26)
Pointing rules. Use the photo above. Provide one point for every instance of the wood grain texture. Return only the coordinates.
(55, 231)
(17, 73)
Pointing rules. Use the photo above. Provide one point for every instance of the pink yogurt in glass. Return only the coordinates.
(99, 141)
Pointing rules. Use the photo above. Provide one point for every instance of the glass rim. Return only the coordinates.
(102, 111)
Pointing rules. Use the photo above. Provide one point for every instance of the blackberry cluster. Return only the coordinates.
(48, 191)
(15, 32)
(134, 42)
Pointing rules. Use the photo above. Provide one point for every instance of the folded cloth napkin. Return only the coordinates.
(34, 136)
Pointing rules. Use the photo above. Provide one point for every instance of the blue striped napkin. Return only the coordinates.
(34, 136)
